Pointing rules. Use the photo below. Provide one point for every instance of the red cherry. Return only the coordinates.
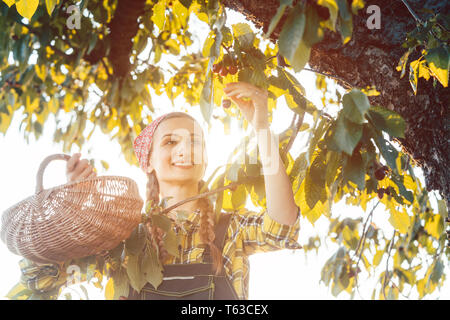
(223, 71)
(380, 174)
(380, 193)
(216, 67)
(226, 103)
(232, 69)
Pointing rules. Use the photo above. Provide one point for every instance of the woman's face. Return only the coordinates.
(177, 153)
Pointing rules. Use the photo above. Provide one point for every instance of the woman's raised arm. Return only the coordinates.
(280, 199)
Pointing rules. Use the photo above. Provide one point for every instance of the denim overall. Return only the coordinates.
(193, 281)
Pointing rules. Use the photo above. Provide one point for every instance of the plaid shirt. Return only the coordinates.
(247, 233)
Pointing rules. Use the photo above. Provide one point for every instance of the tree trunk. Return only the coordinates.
(370, 58)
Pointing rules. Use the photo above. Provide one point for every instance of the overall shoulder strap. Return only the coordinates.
(220, 234)
(221, 230)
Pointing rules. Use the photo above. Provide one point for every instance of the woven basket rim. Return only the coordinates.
(93, 178)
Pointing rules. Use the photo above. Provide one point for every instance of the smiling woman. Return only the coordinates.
(211, 260)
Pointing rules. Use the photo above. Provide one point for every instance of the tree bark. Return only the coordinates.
(370, 58)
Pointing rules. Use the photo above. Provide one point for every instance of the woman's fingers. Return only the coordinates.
(82, 169)
(70, 166)
(77, 169)
(85, 173)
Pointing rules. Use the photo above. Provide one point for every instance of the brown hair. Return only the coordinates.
(205, 205)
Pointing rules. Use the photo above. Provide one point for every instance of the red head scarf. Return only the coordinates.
(143, 142)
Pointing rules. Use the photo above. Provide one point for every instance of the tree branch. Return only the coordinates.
(387, 265)
(202, 195)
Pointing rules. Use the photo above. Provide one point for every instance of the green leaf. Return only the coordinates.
(276, 18)
(134, 272)
(301, 57)
(27, 8)
(401, 221)
(136, 242)
(312, 190)
(292, 33)
(356, 105)
(438, 271)
(398, 180)
(244, 34)
(388, 121)
(442, 208)
(355, 171)
(438, 60)
(389, 153)
(333, 162)
(162, 221)
(346, 29)
(152, 268)
(344, 11)
(346, 134)
(171, 243)
(313, 32)
(206, 102)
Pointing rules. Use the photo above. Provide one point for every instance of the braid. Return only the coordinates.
(207, 234)
(153, 196)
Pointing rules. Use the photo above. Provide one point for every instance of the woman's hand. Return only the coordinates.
(77, 169)
(254, 110)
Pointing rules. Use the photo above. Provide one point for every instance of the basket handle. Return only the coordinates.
(44, 163)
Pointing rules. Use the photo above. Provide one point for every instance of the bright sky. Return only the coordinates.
(278, 275)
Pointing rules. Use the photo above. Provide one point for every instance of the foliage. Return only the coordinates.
(430, 39)
(49, 69)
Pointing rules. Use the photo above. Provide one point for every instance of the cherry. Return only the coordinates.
(380, 174)
(223, 71)
(232, 69)
(226, 103)
(216, 67)
(380, 193)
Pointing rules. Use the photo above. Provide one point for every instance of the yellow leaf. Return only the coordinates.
(109, 289)
(30, 107)
(208, 44)
(18, 291)
(41, 71)
(53, 105)
(26, 8)
(435, 227)
(400, 220)
(377, 257)
(409, 183)
(333, 9)
(50, 4)
(57, 76)
(314, 213)
(181, 12)
(9, 3)
(159, 14)
(68, 102)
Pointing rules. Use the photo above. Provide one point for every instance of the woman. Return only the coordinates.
(170, 151)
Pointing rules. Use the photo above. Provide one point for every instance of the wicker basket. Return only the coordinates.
(73, 220)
